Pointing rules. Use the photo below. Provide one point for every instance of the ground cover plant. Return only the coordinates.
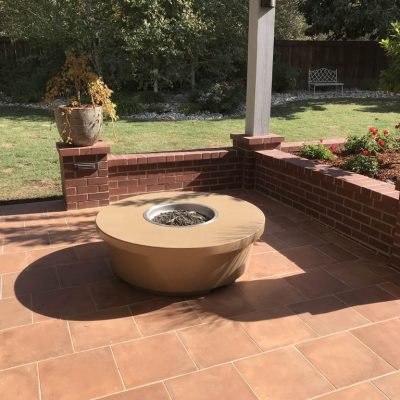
(374, 154)
(29, 166)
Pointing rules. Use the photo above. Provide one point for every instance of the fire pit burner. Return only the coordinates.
(180, 214)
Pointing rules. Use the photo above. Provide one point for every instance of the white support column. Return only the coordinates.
(259, 67)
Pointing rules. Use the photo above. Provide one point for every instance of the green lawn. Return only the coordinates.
(29, 162)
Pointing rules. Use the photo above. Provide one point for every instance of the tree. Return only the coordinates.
(391, 77)
(350, 19)
(290, 23)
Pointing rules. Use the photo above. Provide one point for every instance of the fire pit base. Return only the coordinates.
(176, 260)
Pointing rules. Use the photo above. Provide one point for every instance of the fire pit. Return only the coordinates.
(180, 243)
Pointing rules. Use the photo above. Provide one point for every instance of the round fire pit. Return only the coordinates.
(178, 243)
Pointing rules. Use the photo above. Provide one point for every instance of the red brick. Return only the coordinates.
(76, 183)
(88, 189)
(70, 191)
(97, 181)
(88, 204)
(99, 196)
(76, 198)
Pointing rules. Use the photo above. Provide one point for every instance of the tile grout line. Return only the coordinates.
(187, 351)
(314, 367)
(171, 397)
(244, 379)
(378, 388)
(370, 350)
(38, 379)
(370, 380)
(116, 366)
(70, 338)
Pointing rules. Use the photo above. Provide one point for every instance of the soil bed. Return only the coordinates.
(389, 164)
(180, 218)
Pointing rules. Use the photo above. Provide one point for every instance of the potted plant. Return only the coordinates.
(79, 122)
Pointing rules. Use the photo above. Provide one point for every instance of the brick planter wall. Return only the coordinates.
(360, 207)
(365, 209)
(116, 177)
(206, 170)
(395, 260)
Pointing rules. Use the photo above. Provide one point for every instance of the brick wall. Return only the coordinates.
(355, 205)
(84, 187)
(116, 177)
(206, 170)
(396, 238)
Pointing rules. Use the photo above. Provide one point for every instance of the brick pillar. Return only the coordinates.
(395, 259)
(84, 176)
(251, 144)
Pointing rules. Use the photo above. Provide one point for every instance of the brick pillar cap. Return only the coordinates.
(98, 148)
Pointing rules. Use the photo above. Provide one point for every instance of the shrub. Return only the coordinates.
(219, 97)
(128, 105)
(391, 77)
(358, 144)
(284, 77)
(316, 152)
(362, 164)
(151, 97)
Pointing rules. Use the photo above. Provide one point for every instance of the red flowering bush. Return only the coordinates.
(373, 142)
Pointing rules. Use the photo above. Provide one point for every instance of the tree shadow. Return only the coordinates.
(25, 114)
(290, 111)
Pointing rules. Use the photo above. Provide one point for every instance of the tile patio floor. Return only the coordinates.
(315, 316)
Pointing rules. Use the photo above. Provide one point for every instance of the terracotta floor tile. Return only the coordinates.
(316, 283)
(354, 274)
(91, 250)
(217, 343)
(115, 293)
(22, 243)
(275, 328)
(373, 303)
(13, 313)
(148, 360)
(12, 262)
(84, 272)
(343, 359)
(298, 237)
(29, 282)
(51, 257)
(80, 376)
(328, 315)
(363, 391)
(383, 339)
(217, 383)
(390, 385)
(391, 288)
(270, 264)
(177, 316)
(103, 328)
(19, 383)
(336, 252)
(222, 303)
(152, 392)
(282, 375)
(268, 242)
(307, 257)
(270, 293)
(32, 343)
(62, 303)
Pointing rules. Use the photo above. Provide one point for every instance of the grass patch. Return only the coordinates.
(29, 161)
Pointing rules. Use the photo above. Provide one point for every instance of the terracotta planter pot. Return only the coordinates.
(81, 124)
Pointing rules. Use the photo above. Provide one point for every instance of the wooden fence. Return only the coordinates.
(359, 63)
